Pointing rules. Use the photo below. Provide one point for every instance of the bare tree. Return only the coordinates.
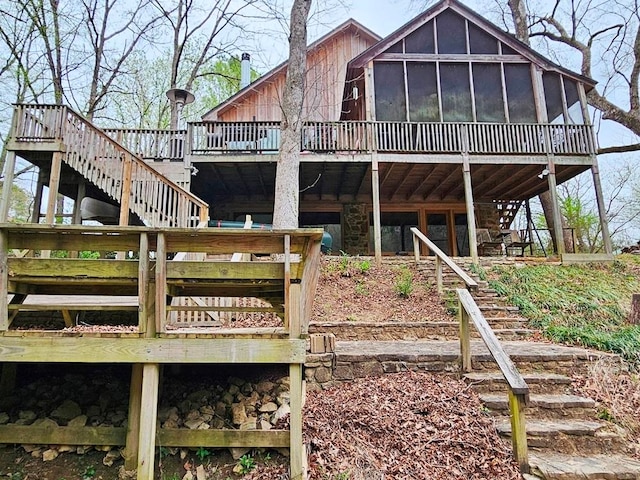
(192, 25)
(286, 204)
(113, 31)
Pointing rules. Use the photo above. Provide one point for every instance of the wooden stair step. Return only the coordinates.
(537, 381)
(543, 405)
(556, 466)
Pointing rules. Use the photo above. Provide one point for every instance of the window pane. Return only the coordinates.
(452, 37)
(553, 97)
(421, 41)
(506, 50)
(395, 48)
(481, 42)
(389, 90)
(487, 86)
(520, 99)
(423, 92)
(456, 94)
(573, 101)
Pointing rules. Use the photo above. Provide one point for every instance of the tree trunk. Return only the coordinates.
(287, 191)
(634, 316)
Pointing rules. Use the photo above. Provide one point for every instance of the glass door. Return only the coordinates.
(438, 231)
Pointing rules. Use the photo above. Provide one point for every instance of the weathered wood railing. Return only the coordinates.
(518, 388)
(441, 258)
(123, 176)
(151, 144)
(151, 278)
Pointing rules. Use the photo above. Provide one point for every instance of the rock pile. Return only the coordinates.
(78, 400)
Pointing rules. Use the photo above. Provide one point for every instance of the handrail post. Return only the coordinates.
(465, 341)
(416, 248)
(518, 430)
(439, 281)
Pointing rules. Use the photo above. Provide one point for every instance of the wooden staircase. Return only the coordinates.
(60, 141)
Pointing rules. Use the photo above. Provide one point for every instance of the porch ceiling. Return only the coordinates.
(399, 182)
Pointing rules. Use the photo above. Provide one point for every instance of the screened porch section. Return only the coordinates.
(450, 70)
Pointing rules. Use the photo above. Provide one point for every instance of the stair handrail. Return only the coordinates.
(441, 258)
(518, 388)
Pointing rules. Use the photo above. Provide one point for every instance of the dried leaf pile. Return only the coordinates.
(403, 426)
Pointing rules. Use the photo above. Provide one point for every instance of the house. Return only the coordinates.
(449, 124)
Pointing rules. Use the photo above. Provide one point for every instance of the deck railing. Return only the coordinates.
(113, 168)
(151, 144)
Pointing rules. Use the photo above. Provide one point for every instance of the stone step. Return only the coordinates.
(557, 466)
(589, 437)
(543, 405)
(495, 310)
(381, 331)
(539, 382)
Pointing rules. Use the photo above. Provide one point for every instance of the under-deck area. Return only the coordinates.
(153, 270)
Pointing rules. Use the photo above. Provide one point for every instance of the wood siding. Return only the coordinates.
(326, 72)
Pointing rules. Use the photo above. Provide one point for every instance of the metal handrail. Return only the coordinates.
(441, 258)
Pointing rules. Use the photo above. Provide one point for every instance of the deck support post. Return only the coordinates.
(10, 165)
(37, 199)
(471, 216)
(133, 420)
(375, 192)
(77, 213)
(602, 211)
(4, 282)
(296, 392)
(148, 415)
(555, 204)
(54, 184)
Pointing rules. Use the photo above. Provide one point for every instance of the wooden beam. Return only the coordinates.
(58, 269)
(148, 418)
(375, 194)
(181, 437)
(133, 419)
(471, 216)
(405, 176)
(555, 205)
(4, 282)
(151, 350)
(125, 194)
(5, 201)
(519, 430)
(421, 183)
(37, 199)
(54, 185)
(602, 211)
(296, 447)
(227, 271)
(161, 283)
(144, 276)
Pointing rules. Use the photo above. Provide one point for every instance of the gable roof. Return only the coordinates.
(520, 47)
(319, 43)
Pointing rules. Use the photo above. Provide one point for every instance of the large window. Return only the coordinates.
(423, 92)
(421, 40)
(520, 93)
(452, 34)
(391, 103)
(487, 88)
(456, 94)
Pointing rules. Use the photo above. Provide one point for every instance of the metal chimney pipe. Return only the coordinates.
(245, 70)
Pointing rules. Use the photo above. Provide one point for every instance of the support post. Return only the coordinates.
(9, 168)
(54, 184)
(125, 194)
(465, 341)
(4, 282)
(37, 199)
(296, 446)
(133, 420)
(148, 415)
(518, 431)
(161, 284)
(602, 211)
(439, 282)
(471, 216)
(77, 213)
(557, 218)
(375, 192)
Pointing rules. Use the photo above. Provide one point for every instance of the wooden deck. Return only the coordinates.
(149, 280)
